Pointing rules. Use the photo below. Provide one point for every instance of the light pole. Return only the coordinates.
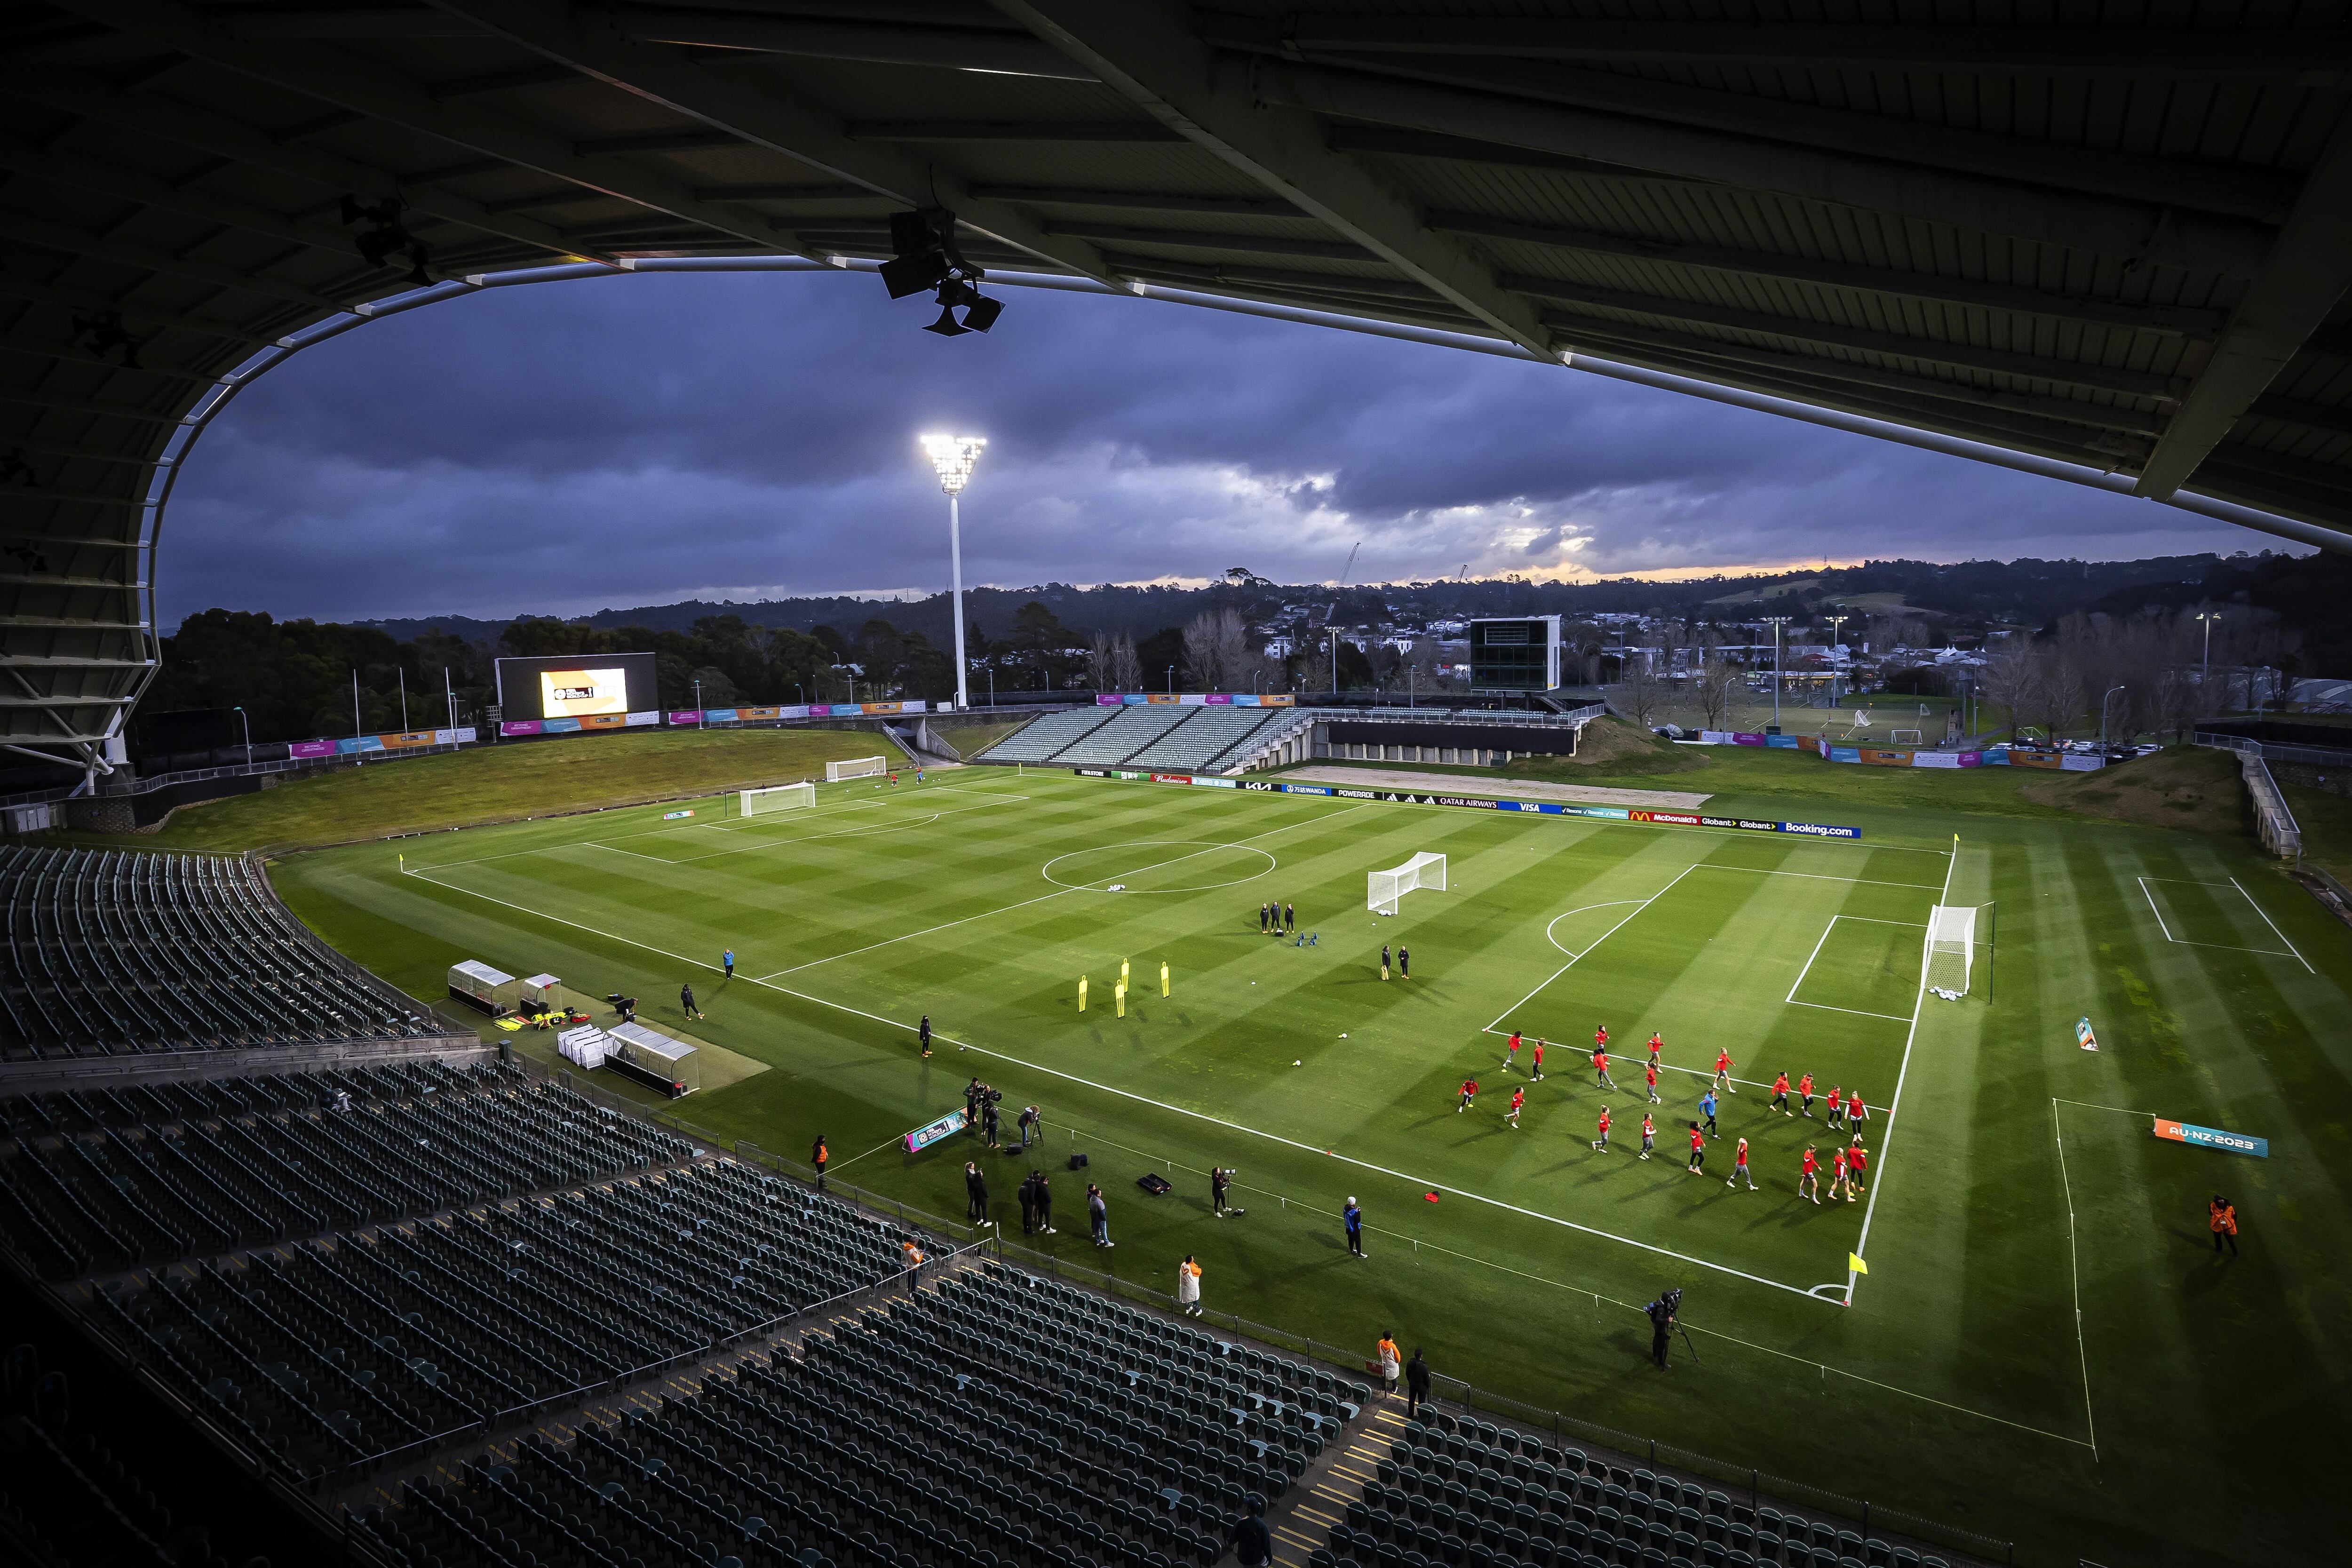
(1835, 622)
(1171, 680)
(403, 700)
(1776, 622)
(700, 721)
(954, 456)
(2205, 671)
(248, 724)
(2103, 714)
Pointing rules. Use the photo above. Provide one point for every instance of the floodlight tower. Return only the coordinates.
(1837, 624)
(1776, 622)
(954, 456)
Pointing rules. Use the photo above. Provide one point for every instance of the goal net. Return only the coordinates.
(855, 768)
(1387, 886)
(1902, 737)
(1951, 949)
(782, 797)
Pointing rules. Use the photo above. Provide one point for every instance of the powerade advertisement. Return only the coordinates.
(1531, 807)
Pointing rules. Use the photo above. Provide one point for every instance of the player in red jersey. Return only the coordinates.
(1657, 1044)
(1649, 1135)
(1723, 1073)
(1805, 1088)
(1856, 1157)
(1811, 1177)
(1698, 1149)
(1469, 1093)
(1511, 1053)
(1854, 1111)
(1601, 1068)
(1602, 1143)
(1781, 1095)
(1518, 1098)
(1600, 1038)
(1536, 1067)
(1837, 1175)
(1739, 1168)
(1651, 1071)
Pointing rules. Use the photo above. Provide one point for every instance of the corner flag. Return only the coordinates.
(1853, 1261)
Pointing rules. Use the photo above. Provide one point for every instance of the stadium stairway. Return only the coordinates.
(1303, 1524)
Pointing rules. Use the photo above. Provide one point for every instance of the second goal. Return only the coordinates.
(1956, 936)
(1423, 870)
(855, 768)
(777, 797)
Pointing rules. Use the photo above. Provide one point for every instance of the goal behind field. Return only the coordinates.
(1956, 936)
(779, 797)
(855, 768)
(1387, 886)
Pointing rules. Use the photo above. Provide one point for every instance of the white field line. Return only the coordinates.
(1790, 1000)
(1597, 941)
(2273, 925)
(1808, 969)
(1008, 909)
(2220, 946)
(648, 833)
(1886, 1138)
(1146, 1099)
(1852, 1012)
(1580, 908)
(2074, 1268)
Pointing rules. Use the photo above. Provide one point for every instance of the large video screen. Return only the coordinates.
(578, 687)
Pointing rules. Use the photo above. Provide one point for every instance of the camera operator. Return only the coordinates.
(1662, 1322)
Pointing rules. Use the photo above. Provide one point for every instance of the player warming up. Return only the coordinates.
(1650, 1072)
(1856, 1157)
(1739, 1170)
(1698, 1149)
(1657, 1044)
(1537, 1065)
(1649, 1135)
(1781, 1095)
(1805, 1092)
(1600, 1063)
(1723, 1073)
(1510, 1052)
(1834, 1112)
(1855, 1113)
(1809, 1184)
(1469, 1093)
(1602, 1143)
(1518, 1098)
(1838, 1188)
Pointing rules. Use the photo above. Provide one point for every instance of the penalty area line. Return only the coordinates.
(1604, 936)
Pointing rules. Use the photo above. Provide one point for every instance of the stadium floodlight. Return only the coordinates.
(777, 798)
(1385, 888)
(1776, 622)
(954, 457)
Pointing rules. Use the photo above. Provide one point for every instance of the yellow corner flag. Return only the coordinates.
(1082, 993)
(1853, 1261)
(1164, 977)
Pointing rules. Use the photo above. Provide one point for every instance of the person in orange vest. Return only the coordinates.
(2223, 1216)
(818, 1156)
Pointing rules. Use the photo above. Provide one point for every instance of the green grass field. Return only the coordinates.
(2043, 1348)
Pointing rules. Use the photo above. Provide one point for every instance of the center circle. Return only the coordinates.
(1159, 866)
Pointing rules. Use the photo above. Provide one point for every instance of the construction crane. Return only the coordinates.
(1345, 573)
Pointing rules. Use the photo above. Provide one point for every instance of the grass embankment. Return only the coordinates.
(970, 740)
(2326, 819)
(504, 783)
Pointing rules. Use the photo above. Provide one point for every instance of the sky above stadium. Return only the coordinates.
(561, 449)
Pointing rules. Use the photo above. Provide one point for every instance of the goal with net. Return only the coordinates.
(1957, 934)
(780, 797)
(855, 768)
(1387, 886)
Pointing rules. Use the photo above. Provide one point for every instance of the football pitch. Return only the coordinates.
(2044, 1347)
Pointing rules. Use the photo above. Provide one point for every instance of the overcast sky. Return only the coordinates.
(565, 447)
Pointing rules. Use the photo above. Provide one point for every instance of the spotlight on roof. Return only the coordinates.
(926, 259)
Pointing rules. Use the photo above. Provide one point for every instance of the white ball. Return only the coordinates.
(1298, 1064)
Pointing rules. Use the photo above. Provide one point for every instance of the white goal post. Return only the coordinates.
(777, 797)
(1951, 949)
(1902, 737)
(855, 768)
(1387, 886)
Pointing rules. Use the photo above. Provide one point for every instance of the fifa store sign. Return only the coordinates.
(1529, 807)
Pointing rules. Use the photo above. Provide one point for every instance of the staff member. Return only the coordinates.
(1416, 1384)
(2223, 1216)
(1662, 1324)
(818, 1156)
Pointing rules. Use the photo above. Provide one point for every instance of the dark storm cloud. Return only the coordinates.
(634, 440)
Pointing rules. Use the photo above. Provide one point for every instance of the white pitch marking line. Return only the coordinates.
(2273, 925)
(2146, 892)
(1852, 1012)
(1604, 936)
(1580, 908)
(1790, 1000)
(1808, 969)
(1157, 1104)
(2074, 1268)
(2220, 946)
(1886, 1139)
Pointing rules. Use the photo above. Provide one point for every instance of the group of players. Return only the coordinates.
(1844, 1113)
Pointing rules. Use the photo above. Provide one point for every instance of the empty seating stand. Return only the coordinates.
(1200, 741)
(1041, 738)
(995, 1421)
(1460, 1491)
(117, 951)
(1132, 730)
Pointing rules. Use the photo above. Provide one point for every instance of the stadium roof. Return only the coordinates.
(2118, 247)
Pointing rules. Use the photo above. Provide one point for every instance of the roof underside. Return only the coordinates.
(2121, 244)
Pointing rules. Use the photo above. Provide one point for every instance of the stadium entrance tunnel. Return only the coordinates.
(1159, 866)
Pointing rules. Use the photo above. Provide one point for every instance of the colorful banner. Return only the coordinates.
(675, 816)
(1190, 699)
(2214, 1138)
(358, 743)
(2084, 1037)
(559, 726)
(604, 720)
(518, 727)
(311, 749)
(405, 740)
(947, 1126)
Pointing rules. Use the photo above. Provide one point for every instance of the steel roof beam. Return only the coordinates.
(1140, 200)
(57, 236)
(153, 318)
(33, 397)
(755, 115)
(1191, 239)
(2103, 225)
(1113, 131)
(1960, 356)
(2313, 56)
(2335, 419)
(2307, 273)
(146, 191)
(2171, 321)
(832, 191)
(1390, 142)
(1148, 52)
(996, 52)
(355, 82)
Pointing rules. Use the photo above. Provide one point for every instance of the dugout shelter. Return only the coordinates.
(2113, 252)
